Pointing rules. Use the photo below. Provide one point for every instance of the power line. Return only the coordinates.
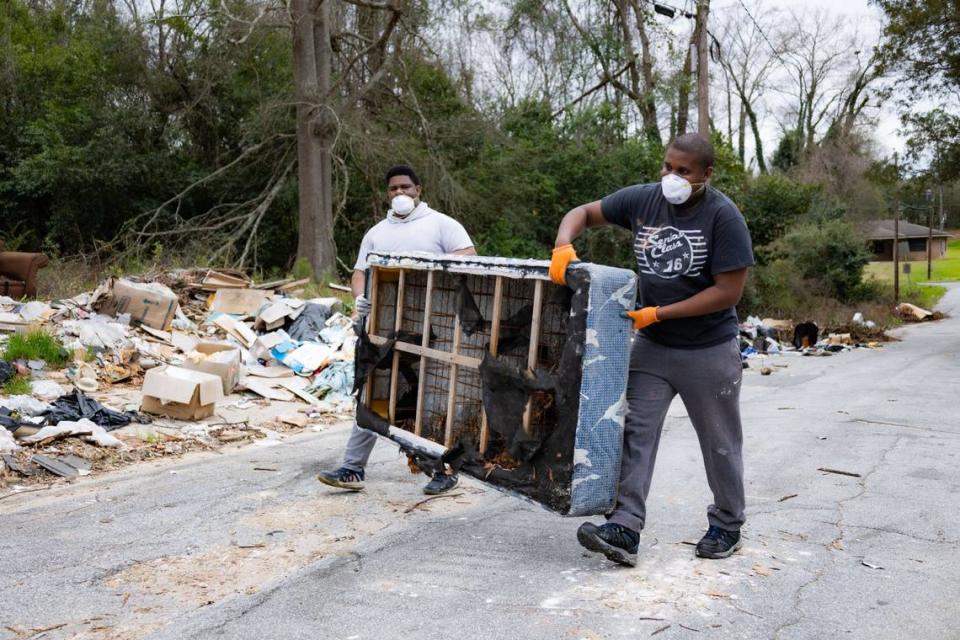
(762, 34)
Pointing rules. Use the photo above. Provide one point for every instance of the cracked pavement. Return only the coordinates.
(249, 545)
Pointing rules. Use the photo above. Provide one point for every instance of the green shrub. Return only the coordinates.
(771, 204)
(35, 345)
(830, 253)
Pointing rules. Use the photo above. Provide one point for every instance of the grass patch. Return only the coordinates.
(926, 296)
(945, 269)
(17, 386)
(35, 345)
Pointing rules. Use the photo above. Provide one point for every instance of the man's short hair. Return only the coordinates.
(403, 170)
(695, 144)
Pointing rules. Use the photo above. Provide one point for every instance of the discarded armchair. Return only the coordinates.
(18, 273)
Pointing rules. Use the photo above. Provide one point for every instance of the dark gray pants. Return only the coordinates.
(708, 381)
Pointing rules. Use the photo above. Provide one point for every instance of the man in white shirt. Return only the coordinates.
(410, 225)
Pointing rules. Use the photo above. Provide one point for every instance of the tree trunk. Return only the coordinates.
(648, 108)
(703, 74)
(312, 59)
(758, 141)
(726, 77)
(683, 99)
(742, 134)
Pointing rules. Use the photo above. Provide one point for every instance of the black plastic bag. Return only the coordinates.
(77, 405)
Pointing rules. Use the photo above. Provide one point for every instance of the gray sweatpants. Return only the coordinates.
(708, 381)
(359, 447)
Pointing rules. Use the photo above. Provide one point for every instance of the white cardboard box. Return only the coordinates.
(216, 358)
(180, 393)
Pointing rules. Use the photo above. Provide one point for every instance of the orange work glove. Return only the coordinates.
(562, 257)
(643, 317)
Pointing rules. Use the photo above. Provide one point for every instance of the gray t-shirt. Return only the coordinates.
(423, 230)
(678, 252)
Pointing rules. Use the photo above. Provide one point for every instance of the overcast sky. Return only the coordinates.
(869, 21)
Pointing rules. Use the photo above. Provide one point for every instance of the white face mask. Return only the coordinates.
(675, 189)
(402, 205)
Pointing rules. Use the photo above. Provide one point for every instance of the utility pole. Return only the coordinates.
(703, 76)
(896, 231)
(928, 195)
(942, 215)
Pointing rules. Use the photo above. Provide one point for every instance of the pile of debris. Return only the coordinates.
(769, 336)
(192, 356)
(913, 313)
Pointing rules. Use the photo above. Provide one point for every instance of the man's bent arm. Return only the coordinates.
(578, 219)
(725, 293)
(356, 283)
(469, 251)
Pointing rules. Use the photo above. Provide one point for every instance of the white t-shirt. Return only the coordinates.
(423, 230)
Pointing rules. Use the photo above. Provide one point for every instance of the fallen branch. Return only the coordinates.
(839, 472)
(442, 495)
(17, 493)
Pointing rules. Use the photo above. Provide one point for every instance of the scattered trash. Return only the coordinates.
(870, 565)
(25, 405)
(219, 359)
(78, 406)
(7, 371)
(296, 419)
(155, 343)
(56, 466)
(7, 443)
(46, 389)
(181, 393)
(19, 466)
(805, 335)
(313, 320)
(914, 313)
(150, 304)
(85, 429)
(244, 302)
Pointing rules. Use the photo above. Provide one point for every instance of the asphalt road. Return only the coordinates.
(249, 545)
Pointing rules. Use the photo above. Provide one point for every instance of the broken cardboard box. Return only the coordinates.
(180, 393)
(153, 305)
(216, 358)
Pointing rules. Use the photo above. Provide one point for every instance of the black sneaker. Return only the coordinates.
(718, 543)
(614, 541)
(342, 478)
(441, 483)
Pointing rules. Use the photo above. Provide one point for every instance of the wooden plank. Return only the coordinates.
(424, 345)
(494, 346)
(452, 391)
(287, 383)
(371, 330)
(296, 284)
(431, 354)
(534, 345)
(395, 368)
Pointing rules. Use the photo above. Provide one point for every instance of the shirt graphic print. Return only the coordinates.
(668, 252)
(679, 251)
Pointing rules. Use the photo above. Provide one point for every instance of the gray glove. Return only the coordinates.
(362, 306)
